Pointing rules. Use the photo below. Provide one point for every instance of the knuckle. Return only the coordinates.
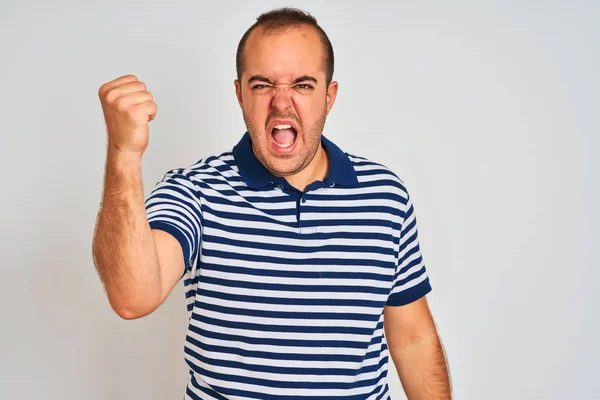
(111, 95)
(106, 92)
(135, 86)
(121, 103)
(133, 110)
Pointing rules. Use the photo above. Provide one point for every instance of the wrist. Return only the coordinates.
(121, 157)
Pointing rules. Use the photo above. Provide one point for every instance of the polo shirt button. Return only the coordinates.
(303, 199)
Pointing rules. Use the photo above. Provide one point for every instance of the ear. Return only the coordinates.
(332, 91)
(238, 91)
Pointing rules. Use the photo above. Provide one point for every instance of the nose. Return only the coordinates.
(282, 99)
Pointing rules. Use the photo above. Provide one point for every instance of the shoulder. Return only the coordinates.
(218, 167)
(371, 173)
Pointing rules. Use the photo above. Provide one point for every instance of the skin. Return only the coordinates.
(279, 60)
(417, 351)
(137, 265)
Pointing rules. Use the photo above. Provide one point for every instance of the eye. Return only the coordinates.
(305, 86)
(260, 87)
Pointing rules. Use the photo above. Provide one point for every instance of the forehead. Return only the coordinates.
(284, 55)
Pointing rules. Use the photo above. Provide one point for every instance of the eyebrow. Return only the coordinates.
(260, 78)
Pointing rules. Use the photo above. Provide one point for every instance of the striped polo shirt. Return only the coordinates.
(286, 289)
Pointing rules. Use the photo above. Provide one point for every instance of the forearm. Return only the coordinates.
(123, 246)
(423, 369)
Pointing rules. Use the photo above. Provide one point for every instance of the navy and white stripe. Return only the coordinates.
(286, 290)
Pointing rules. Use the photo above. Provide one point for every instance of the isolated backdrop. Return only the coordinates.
(489, 111)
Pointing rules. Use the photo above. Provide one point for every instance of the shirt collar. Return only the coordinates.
(341, 170)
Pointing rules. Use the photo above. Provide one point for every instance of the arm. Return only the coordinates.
(417, 351)
(138, 267)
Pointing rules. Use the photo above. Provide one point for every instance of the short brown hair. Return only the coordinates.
(279, 20)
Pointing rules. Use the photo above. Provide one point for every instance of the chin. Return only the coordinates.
(280, 167)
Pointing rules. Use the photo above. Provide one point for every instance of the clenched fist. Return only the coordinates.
(127, 107)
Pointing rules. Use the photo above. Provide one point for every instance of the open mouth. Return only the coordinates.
(283, 136)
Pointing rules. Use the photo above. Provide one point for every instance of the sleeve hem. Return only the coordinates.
(177, 234)
(409, 295)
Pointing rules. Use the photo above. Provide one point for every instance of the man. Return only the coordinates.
(301, 263)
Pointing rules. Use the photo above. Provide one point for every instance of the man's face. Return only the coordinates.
(283, 84)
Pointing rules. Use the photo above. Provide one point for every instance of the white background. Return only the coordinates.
(489, 111)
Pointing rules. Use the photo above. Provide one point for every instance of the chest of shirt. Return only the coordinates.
(285, 257)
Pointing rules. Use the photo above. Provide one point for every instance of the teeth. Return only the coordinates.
(284, 145)
(283, 126)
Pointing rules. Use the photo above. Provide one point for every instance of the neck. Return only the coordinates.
(315, 171)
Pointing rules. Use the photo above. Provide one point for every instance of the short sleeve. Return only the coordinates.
(174, 207)
(411, 281)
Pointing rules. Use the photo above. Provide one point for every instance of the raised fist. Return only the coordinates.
(127, 107)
